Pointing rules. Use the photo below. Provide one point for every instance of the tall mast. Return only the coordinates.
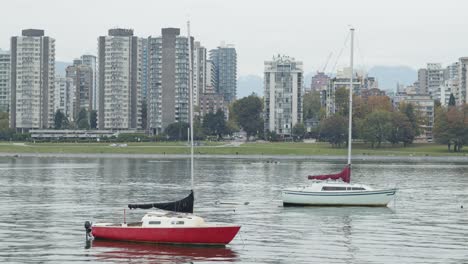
(191, 101)
(350, 125)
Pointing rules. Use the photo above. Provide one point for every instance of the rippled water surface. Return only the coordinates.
(45, 201)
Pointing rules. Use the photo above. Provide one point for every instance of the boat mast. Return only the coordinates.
(350, 125)
(189, 39)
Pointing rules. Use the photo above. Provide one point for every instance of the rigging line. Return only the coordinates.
(341, 52)
(361, 54)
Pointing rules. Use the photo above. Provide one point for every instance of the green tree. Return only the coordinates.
(177, 131)
(198, 131)
(215, 123)
(401, 129)
(82, 121)
(4, 121)
(93, 119)
(299, 131)
(342, 101)
(452, 100)
(360, 107)
(376, 127)
(60, 120)
(334, 129)
(451, 127)
(83, 124)
(272, 136)
(413, 117)
(247, 113)
(456, 127)
(440, 130)
(311, 105)
(232, 126)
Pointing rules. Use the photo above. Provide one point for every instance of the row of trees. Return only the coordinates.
(84, 120)
(245, 113)
(374, 120)
(6, 133)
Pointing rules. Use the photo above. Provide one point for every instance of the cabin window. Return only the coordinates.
(180, 222)
(333, 188)
(358, 189)
(154, 222)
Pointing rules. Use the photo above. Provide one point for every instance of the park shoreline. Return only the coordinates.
(341, 158)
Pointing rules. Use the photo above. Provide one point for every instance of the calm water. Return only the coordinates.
(45, 201)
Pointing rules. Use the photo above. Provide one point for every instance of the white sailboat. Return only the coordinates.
(337, 189)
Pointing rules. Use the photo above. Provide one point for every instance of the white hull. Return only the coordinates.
(300, 196)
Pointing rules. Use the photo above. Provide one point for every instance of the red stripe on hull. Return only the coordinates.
(181, 235)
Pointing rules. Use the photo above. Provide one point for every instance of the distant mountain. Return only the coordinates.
(60, 67)
(248, 84)
(389, 76)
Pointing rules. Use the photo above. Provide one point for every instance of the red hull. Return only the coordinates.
(211, 235)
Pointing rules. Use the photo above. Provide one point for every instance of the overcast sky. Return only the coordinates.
(392, 32)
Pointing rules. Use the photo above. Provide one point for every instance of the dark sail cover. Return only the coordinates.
(344, 175)
(183, 206)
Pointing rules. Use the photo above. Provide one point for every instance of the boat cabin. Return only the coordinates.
(170, 219)
(335, 186)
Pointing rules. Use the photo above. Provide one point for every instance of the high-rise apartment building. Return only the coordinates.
(319, 82)
(119, 61)
(32, 80)
(451, 72)
(210, 86)
(209, 99)
(422, 82)
(224, 59)
(463, 79)
(4, 81)
(62, 97)
(435, 77)
(81, 77)
(168, 86)
(91, 61)
(199, 72)
(431, 78)
(283, 94)
(144, 69)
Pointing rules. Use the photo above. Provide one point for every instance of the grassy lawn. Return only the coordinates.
(326, 149)
(221, 148)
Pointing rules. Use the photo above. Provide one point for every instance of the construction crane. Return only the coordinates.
(326, 62)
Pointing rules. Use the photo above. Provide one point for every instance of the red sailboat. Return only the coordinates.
(175, 222)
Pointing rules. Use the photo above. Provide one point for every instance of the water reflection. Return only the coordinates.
(154, 253)
(345, 211)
